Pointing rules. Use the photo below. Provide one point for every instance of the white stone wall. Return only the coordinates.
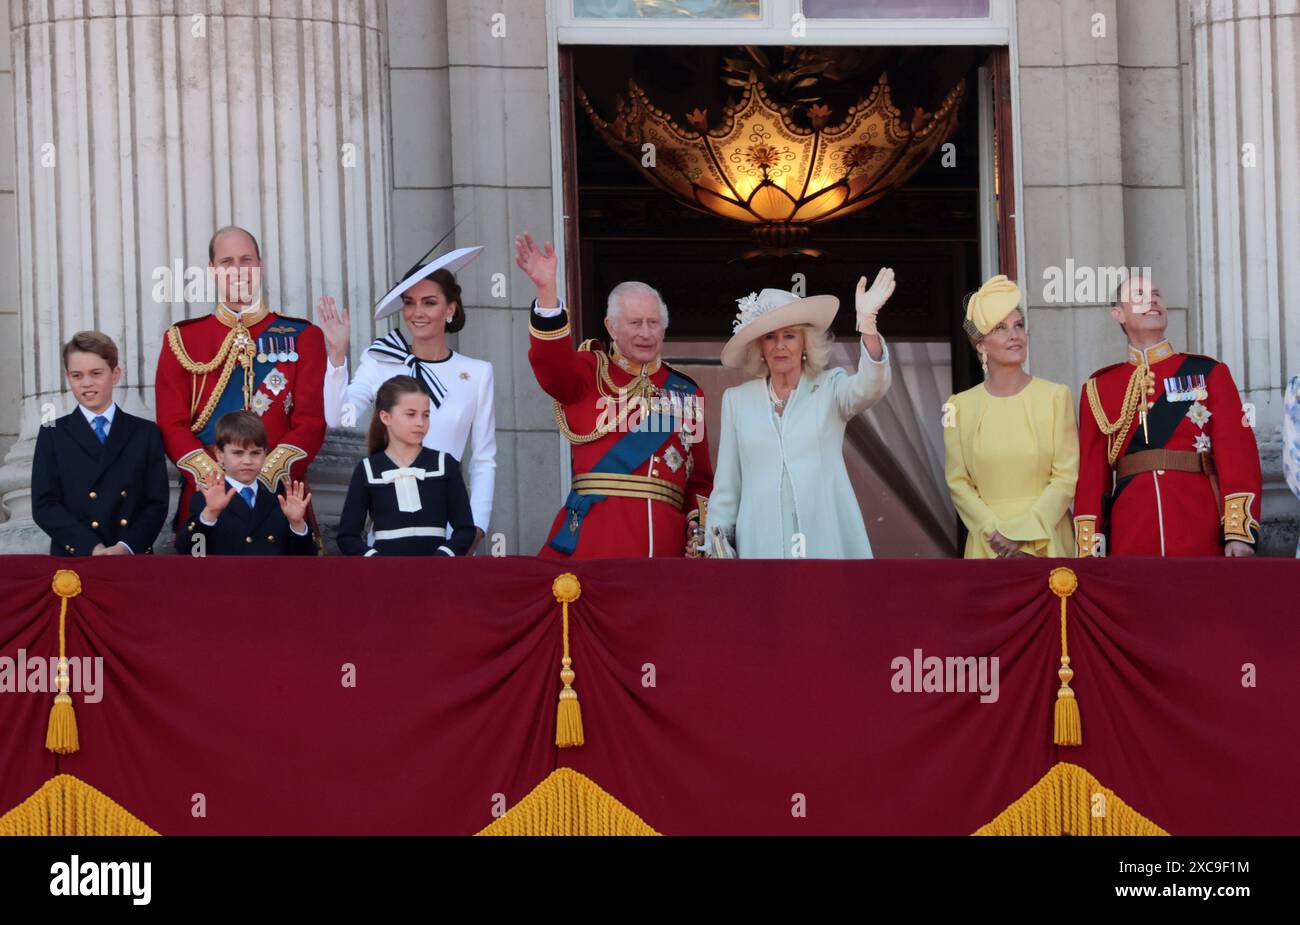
(1103, 167)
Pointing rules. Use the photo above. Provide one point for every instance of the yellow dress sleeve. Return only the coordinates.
(977, 515)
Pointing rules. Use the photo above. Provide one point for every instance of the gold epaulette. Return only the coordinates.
(277, 464)
(592, 345)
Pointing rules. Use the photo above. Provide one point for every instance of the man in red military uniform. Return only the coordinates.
(1168, 464)
(241, 357)
(641, 468)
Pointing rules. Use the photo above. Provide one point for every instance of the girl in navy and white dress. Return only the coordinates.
(413, 496)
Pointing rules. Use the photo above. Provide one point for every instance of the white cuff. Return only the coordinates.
(371, 552)
(206, 523)
(547, 312)
(447, 549)
(305, 529)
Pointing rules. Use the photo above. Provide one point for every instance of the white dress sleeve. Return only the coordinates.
(857, 392)
(481, 471)
(346, 403)
(336, 383)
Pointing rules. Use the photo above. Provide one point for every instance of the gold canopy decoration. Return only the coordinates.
(759, 167)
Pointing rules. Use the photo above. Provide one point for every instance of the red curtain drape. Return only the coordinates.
(770, 685)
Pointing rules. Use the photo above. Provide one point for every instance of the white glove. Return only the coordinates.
(869, 301)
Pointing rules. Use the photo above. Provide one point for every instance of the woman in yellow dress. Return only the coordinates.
(1011, 444)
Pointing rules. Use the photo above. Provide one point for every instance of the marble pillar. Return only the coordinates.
(1246, 106)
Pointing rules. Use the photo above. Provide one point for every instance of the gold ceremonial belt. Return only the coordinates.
(629, 486)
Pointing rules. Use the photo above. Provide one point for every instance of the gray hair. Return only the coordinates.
(817, 345)
(614, 304)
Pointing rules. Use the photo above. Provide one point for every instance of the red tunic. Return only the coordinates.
(619, 526)
(287, 361)
(1168, 512)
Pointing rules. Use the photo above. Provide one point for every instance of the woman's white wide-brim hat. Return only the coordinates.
(452, 262)
(771, 310)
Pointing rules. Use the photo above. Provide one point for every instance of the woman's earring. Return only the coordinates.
(984, 363)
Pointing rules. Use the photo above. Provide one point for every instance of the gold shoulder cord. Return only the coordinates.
(639, 388)
(1117, 431)
(242, 353)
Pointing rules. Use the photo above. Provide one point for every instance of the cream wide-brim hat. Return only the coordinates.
(771, 310)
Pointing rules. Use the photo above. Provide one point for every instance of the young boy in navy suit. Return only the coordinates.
(236, 514)
(99, 477)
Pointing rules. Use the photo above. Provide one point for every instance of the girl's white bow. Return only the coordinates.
(406, 481)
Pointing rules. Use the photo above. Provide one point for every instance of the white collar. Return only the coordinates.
(240, 485)
(107, 413)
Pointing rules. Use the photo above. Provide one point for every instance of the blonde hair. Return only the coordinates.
(817, 345)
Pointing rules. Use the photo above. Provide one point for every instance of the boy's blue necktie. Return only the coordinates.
(100, 423)
(247, 495)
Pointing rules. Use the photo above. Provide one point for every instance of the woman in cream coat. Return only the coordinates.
(781, 489)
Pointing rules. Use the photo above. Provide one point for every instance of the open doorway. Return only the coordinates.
(930, 227)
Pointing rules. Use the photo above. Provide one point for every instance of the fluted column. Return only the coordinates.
(142, 127)
(1247, 154)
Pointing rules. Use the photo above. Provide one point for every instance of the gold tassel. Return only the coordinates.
(568, 718)
(1068, 726)
(61, 735)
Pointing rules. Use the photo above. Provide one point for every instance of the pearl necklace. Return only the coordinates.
(771, 393)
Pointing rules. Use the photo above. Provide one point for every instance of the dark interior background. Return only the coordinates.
(928, 230)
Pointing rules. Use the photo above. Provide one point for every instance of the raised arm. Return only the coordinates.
(561, 372)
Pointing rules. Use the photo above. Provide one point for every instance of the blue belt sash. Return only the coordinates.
(627, 455)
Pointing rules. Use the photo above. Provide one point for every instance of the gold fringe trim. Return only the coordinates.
(1063, 802)
(568, 803)
(66, 805)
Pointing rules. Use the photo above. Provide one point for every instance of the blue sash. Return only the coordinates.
(627, 455)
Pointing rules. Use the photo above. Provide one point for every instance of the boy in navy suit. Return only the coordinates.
(235, 514)
(99, 477)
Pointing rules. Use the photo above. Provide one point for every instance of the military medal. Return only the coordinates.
(261, 351)
(1186, 388)
(293, 352)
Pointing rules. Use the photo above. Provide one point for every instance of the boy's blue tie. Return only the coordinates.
(100, 423)
(247, 495)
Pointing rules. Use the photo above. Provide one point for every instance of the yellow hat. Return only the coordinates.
(996, 299)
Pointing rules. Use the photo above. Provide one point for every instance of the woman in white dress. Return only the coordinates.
(461, 414)
(781, 489)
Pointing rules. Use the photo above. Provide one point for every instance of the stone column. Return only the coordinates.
(1246, 107)
(142, 127)
(1072, 168)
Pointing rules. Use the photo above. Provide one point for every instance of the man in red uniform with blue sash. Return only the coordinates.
(641, 468)
(1168, 464)
(241, 357)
